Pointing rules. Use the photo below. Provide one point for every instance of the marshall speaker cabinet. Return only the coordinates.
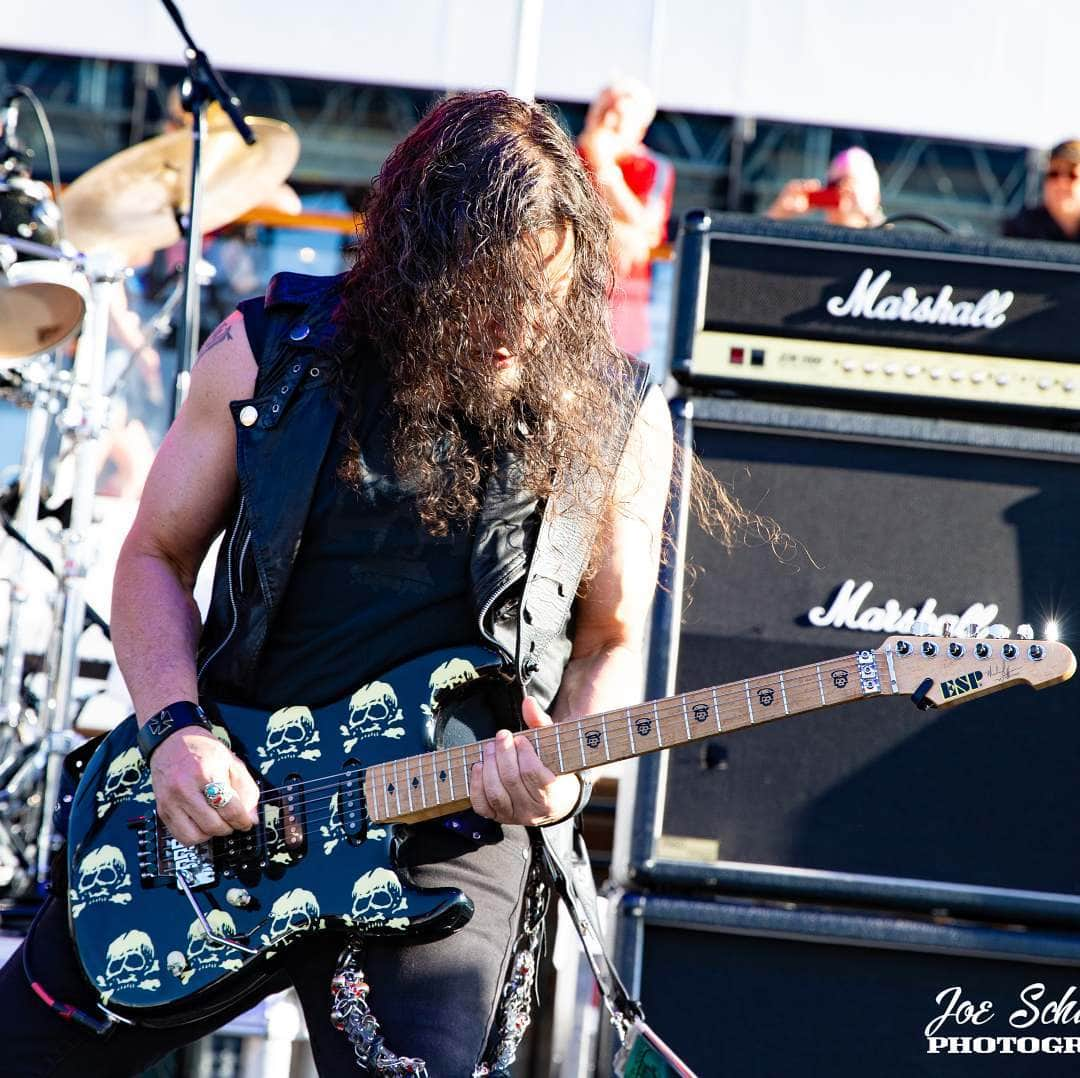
(739, 988)
(894, 519)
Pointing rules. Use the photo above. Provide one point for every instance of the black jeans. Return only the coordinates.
(436, 1001)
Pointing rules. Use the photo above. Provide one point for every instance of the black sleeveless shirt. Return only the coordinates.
(371, 587)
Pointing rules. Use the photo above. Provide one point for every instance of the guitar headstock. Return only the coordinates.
(940, 671)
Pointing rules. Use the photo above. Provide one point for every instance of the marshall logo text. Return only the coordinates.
(866, 301)
(847, 612)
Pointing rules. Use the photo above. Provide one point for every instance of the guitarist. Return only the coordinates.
(424, 452)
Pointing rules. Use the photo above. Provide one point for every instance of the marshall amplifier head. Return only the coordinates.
(762, 305)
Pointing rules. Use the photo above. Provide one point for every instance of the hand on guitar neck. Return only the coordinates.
(513, 785)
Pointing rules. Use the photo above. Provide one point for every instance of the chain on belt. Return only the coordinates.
(350, 1013)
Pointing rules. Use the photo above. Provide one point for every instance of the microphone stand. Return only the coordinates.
(203, 84)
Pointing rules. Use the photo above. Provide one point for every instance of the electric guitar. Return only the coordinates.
(155, 922)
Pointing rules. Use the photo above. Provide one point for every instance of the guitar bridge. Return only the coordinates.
(162, 857)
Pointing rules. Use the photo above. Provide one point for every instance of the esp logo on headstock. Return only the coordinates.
(958, 686)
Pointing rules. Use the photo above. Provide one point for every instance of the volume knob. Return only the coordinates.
(239, 897)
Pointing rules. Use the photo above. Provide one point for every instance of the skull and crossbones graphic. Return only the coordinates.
(130, 960)
(202, 952)
(274, 837)
(290, 733)
(373, 712)
(103, 877)
(333, 831)
(295, 911)
(378, 899)
(446, 676)
(126, 777)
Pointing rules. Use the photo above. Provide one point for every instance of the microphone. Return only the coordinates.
(14, 156)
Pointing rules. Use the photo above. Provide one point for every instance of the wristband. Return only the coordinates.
(167, 721)
(582, 800)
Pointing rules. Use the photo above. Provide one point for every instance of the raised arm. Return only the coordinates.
(155, 622)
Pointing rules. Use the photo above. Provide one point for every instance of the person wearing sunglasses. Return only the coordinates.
(1058, 217)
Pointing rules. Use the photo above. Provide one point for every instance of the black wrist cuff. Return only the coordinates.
(583, 799)
(167, 721)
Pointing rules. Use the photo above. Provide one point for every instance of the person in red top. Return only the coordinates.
(638, 186)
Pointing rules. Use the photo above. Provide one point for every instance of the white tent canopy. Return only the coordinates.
(991, 71)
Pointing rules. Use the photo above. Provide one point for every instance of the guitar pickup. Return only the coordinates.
(352, 805)
(284, 824)
(239, 852)
(293, 817)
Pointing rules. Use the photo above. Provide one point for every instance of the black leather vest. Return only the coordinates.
(525, 564)
(283, 433)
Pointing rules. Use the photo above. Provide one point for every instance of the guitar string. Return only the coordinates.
(666, 708)
(459, 758)
(547, 739)
(550, 738)
(420, 772)
(546, 736)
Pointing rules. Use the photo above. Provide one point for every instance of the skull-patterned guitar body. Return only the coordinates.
(156, 922)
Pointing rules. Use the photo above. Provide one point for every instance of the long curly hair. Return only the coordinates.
(449, 270)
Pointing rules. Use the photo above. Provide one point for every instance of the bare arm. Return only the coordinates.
(606, 664)
(155, 622)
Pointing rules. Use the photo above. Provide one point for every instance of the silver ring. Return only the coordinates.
(218, 794)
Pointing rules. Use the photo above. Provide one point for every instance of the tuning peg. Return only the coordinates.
(970, 630)
(1025, 632)
(921, 628)
(949, 626)
(999, 632)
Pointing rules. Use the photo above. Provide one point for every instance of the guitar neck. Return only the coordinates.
(436, 783)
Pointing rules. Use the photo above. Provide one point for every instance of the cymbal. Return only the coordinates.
(129, 202)
(36, 318)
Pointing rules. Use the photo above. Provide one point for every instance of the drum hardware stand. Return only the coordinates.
(38, 386)
(203, 84)
(19, 766)
(82, 419)
(24, 747)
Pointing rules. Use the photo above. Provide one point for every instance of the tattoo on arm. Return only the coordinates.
(222, 333)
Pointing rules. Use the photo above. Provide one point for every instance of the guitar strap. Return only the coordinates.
(622, 1008)
(564, 541)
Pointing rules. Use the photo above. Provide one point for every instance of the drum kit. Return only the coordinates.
(64, 258)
